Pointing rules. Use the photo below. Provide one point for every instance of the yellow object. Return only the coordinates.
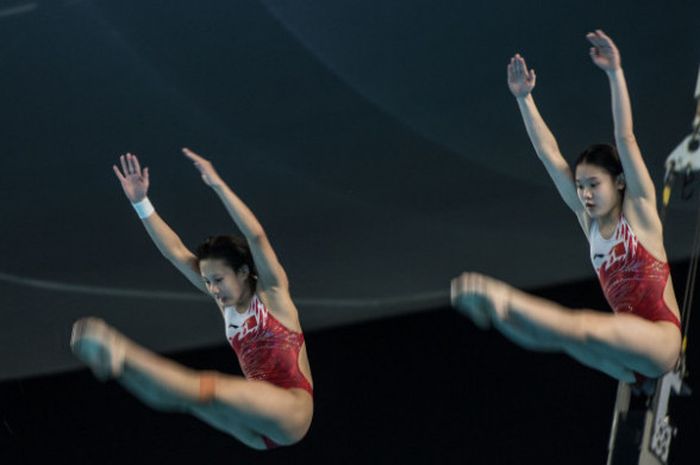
(666, 195)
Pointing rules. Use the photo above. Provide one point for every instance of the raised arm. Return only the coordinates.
(135, 183)
(521, 82)
(606, 56)
(271, 275)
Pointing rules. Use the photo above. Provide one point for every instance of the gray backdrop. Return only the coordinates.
(375, 140)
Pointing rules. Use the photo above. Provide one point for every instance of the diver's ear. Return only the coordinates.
(244, 271)
(620, 181)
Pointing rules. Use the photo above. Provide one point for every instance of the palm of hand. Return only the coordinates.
(521, 85)
(135, 186)
(134, 181)
(521, 81)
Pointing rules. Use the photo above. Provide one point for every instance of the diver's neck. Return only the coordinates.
(244, 303)
(608, 223)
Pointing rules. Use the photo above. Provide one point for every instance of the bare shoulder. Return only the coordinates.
(279, 302)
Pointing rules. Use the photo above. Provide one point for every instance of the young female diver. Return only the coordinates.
(614, 200)
(273, 404)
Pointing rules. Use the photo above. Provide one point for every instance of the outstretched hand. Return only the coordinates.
(521, 81)
(604, 53)
(134, 181)
(209, 175)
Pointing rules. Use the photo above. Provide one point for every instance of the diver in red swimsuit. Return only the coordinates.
(273, 404)
(614, 200)
(266, 349)
(632, 279)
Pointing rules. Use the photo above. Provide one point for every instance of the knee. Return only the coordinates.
(583, 327)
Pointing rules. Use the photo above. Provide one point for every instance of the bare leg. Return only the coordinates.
(529, 336)
(520, 331)
(469, 298)
(615, 344)
(244, 409)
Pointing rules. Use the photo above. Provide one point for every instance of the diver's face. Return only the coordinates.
(597, 190)
(228, 287)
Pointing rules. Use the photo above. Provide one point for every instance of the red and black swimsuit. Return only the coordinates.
(266, 349)
(633, 280)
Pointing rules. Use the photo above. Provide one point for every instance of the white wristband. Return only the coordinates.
(144, 208)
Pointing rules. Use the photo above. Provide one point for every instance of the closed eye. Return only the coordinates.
(216, 280)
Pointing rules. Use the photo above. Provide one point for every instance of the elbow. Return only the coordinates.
(547, 150)
(177, 255)
(280, 284)
(625, 137)
(257, 237)
(274, 281)
(168, 254)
